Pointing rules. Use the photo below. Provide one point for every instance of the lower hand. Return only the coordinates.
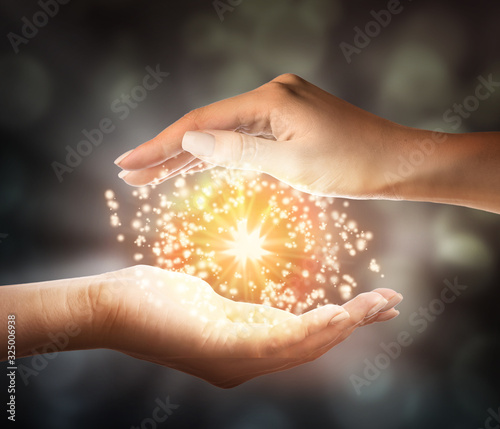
(179, 321)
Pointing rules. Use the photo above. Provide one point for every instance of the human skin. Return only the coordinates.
(323, 145)
(179, 321)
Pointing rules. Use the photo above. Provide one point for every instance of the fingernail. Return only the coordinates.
(123, 173)
(387, 316)
(339, 318)
(377, 307)
(199, 144)
(395, 300)
(122, 157)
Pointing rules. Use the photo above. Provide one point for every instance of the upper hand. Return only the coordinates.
(287, 128)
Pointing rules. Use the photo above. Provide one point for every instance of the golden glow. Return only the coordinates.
(246, 246)
(248, 235)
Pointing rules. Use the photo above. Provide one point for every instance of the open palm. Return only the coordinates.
(179, 321)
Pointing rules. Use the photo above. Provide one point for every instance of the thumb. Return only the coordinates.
(232, 149)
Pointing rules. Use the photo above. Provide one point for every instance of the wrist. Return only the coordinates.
(106, 293)
(68, 320)
(50, 316)
(112, 295)
(82, 315)
(409, 168)
(460, 169)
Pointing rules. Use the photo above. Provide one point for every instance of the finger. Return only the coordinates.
(363, 305)
(203, 166)
(362, 316)
(297, 353)
(383, 317)
(318, 344)
(297, 330)
(268, 339)
(243, 312)
(317, 353)
(238, 150)
(240, 111)
(192, 165)
(198, 167)
(306, 337)
(392, 298)
(179, 171)
(195, 166)
(380, 317)
(156, 174)
(154, 152)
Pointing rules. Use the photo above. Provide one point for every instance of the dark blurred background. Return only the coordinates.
(65, 79)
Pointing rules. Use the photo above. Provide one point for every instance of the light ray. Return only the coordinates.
(246, 246)
(250, 236)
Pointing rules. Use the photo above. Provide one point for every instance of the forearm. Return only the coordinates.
(459, 169)
(49, 316)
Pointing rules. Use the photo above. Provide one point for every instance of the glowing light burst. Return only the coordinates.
(249, 236)
(246, 246)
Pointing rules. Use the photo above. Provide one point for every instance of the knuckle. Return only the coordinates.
(195, 118)
(284, 91)
(289, 78)
(244, 150)
(237, 149)
(192, 114)
(279, 91)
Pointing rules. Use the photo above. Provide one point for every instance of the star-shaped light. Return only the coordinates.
(246, 246)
